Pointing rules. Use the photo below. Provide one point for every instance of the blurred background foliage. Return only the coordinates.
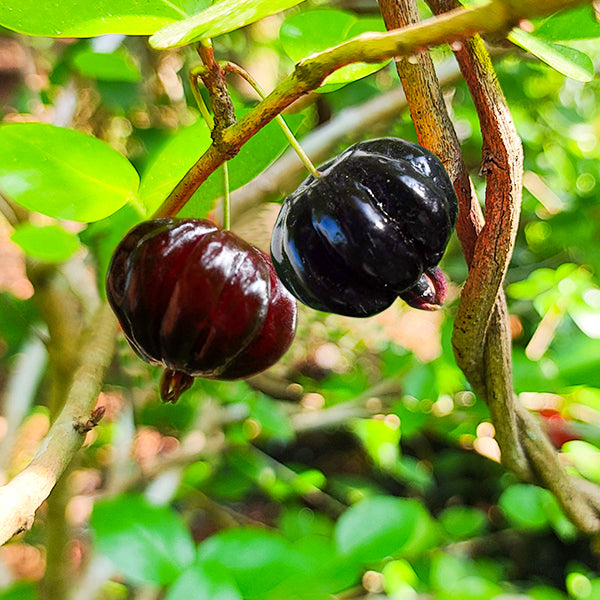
(361, 465)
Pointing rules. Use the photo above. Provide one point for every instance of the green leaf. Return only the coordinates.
(50, 243)
(73, 18)
(257, 559)
(576, 24)
(223, 16)
(380, 438)
(207, 581)
(179, 154)
(113, 66)
(378, 527)
(305, 33)
(568, 61)
(171, 163)
(524, 505)
(20, 591)
(146, 543)
(463, 522)
(585, 457)
(64, 173)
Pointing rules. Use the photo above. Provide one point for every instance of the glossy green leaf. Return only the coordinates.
(378, 527)
(171, 163)
(113, 66)
(223, 16)
(73, 18)
(50, 243)
(183, 150)
(576, 24)
(257, 559)
(146, 543)
(568, 61)
(64, 173)
(204, 581)
(305, 33)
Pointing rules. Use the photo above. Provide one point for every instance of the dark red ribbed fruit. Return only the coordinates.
(199, 301)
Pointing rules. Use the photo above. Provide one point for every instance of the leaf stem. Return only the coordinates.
(226, 198)
(194, 75)
(294, 143)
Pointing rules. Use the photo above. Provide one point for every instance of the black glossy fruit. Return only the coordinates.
(199, 301)
(372, 227)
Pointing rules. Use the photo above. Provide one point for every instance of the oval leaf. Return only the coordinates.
(576, 24)
(204, 582)
(73, 18)
(146, 543)
(50, 243)
(565, 60)
(221, 17)
(258, 560)
(305, 33)
(64, 173)
(113, 66)
(378, 527)
(524, 506)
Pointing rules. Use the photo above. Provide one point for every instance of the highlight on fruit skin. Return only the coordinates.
(372, 227)
(198, 301)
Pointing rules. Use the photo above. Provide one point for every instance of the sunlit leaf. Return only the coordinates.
(73, 18)
(223, 16)
(63, 173)
(576, 24)
(585, 457)
(568, 61)
(49, 243)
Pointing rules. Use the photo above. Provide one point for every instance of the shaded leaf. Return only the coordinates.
(181, 152)
(113, 66)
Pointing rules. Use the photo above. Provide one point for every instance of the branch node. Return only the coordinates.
(82, 426)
